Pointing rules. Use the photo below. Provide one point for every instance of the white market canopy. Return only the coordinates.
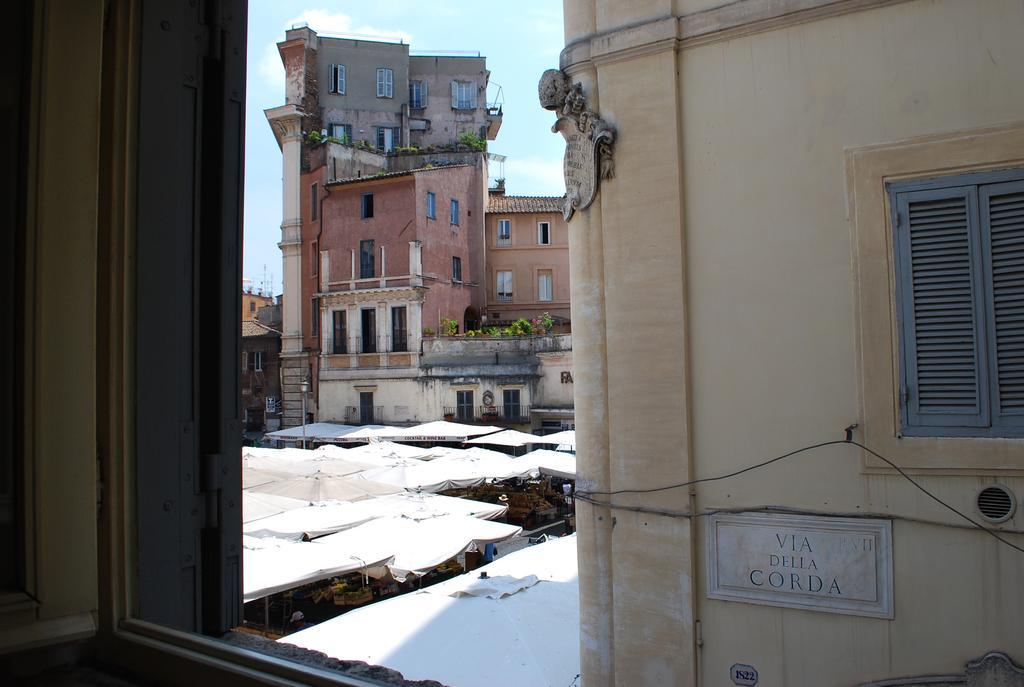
(553, 463)
(316, 431)
(519, 627)
(256, 506)
(297, 461)
(459, 469)
(377, 454)
(566, 438)
(441, 430)
(326, 487)
(320, 519)
(510, 437)
(397, 545)
(371, 433)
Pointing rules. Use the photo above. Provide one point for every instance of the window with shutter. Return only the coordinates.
(332, 81)
(960, 277)
(385, 83)
(339, 79)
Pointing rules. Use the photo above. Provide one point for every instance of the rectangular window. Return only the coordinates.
(958, 244)
(510, 408)
(504, 286)
(366, 206)
(455, 212)
(431, 205)
(339, 335)
(543, 233)
(366, 415)
(342, 132)
(385, 83)
(337, 79)
(399, 331)
(368, 330)
(314, 198)
(417, 94)
(504, 232)
(388, 138)
(464, 406)
(544, 285)
(367, 268)
(314, 317)
(463, 95)
(456, 268)
(314, 259)
(254, 361)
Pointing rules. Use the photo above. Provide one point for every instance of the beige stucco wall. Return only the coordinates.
(722, 252)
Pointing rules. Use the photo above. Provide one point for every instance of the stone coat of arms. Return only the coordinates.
(588, 140)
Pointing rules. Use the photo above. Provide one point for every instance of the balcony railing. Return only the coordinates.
(489, 415)
(364, 415)
(504, 298)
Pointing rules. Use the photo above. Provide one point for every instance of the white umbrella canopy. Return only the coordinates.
(256, 506)
(326, 487)
(531, 636)
(377, 454)
(510, 437)
(297, 461)
(566, 438)
(459, 468)
(371, 433)
(255, 477)
(554, 463)
(441, 430)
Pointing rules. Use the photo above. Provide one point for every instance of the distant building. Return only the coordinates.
(527, 252)
(252, 302)
(261, 370)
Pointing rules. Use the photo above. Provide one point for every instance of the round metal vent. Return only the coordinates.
(996, 503)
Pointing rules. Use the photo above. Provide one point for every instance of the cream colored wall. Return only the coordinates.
(766, 120)
(526, 259)
(715, 328)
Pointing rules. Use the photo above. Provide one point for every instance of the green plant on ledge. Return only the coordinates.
(471, 140)
(492, 332)
(427, 331)
(449, 326)
(315, 137)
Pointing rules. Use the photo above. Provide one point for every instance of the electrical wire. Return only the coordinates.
(587, 496)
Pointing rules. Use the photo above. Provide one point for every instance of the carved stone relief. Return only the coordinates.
(994, 669)
(588, 140)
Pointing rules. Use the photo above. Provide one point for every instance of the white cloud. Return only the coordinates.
(335, 23)
(324, 23)
(534, 176)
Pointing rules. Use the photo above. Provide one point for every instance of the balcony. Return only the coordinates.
(489, 415)
(364, 415)
(493, 120)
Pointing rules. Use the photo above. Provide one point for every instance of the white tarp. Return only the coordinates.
(371, 433)
(530, 637)
(319, 431)
(441, 430)
(566, 438)
(256, 506)
(377, 454)
(554, 463)
(326, 487)
(297, 461)
(273, 565)
(418, 545)
(320, 519)
(458, 469)
(510, 437)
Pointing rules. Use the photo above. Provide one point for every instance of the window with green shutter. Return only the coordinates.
(959, 244)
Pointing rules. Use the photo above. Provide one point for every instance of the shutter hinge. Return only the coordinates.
(905, 395)
(210, 484)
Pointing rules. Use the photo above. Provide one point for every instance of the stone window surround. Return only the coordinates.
(867, 171)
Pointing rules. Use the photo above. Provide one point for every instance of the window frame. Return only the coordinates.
(498, 293)
(417, 94)
(385, 82)
(867, 170)
(461, 396)
(544, 233)
(431, 205)
(505, 240)
(371, 261)
(550, 274)
(339, 325)
(463, 95)
(456, 269)
(399, 329)
(366, 205)
(969, 186)
(453, 212)
(337, 79)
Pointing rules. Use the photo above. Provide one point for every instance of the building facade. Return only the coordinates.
(527, 258)
(365, 120)
(261, 370)
(812, 233)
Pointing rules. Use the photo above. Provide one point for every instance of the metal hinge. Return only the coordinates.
(209, 484)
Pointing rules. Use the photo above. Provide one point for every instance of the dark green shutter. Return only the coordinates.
(943, 343)
(1002, 216)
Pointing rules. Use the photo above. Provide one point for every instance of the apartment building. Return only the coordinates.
(527, 258)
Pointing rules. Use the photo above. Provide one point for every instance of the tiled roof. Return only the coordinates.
(390, 175)
(254, 328)
(506, 204)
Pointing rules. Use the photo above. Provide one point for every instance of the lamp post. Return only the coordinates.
(304, 387)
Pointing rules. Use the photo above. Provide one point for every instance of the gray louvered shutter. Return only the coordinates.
(940, 286)
(332, 86)
(455, 94)
(1002, 217)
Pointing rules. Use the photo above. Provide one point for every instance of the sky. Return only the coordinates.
(520, 40)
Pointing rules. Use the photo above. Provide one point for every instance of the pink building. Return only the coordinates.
(527, 258)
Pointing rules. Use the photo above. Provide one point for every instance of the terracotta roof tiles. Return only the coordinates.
(498, 203)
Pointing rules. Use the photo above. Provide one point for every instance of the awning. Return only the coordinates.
(440, 430)
(529, 637)
(553, 463)
(510, 437)
(326, 487)
(461, 468)
(566, 438)
(316, 431)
